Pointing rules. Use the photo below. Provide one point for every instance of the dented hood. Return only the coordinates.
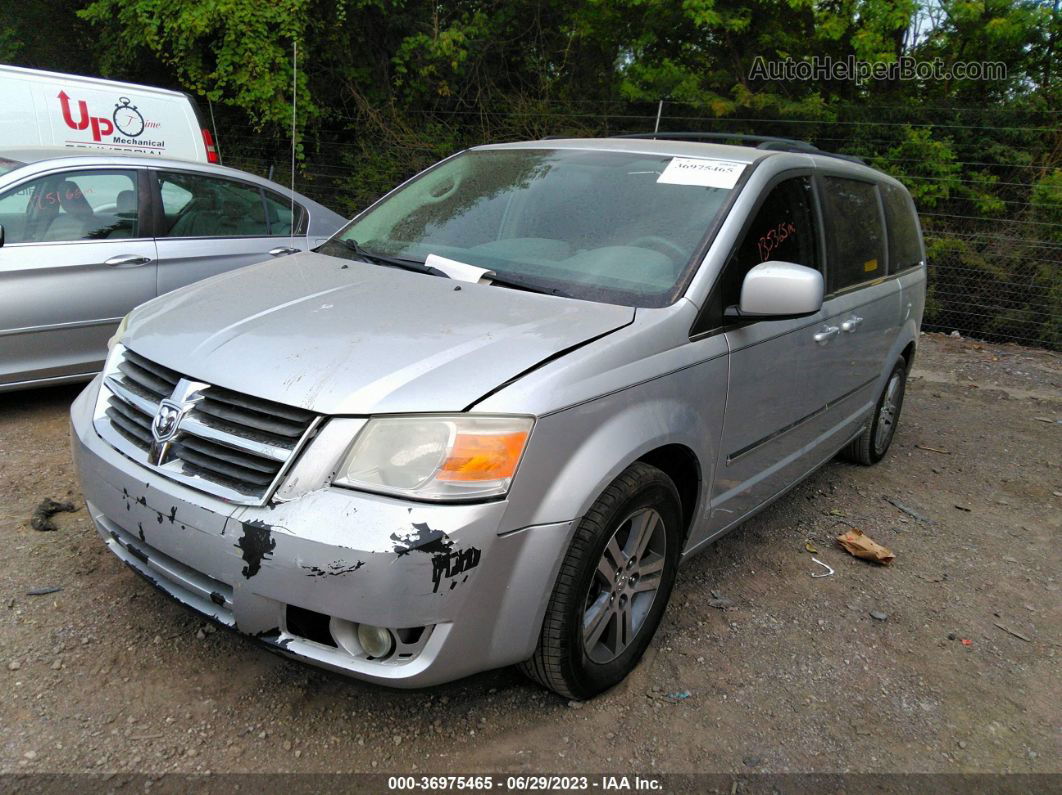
(343, 337)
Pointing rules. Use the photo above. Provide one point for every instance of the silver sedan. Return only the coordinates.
(85, 237)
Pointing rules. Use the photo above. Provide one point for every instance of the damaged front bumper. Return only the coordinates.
(460, 590)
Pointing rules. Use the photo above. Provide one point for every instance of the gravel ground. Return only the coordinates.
(947, 661)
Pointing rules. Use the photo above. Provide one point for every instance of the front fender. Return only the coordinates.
(574, 454)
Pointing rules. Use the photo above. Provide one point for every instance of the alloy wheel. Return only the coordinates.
(887, 414)
(624, 586)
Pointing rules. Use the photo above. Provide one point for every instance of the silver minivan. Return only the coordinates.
(485, 423)
(86, 235)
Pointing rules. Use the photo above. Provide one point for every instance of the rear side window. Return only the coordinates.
(783, 229)
(195, 205)
(855, 241)
(904, 250)
(75, 205)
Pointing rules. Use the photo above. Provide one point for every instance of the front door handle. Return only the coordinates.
(823, 336)
(126, 261)
(851, 324)
(280, 251)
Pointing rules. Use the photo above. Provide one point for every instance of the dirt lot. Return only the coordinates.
(963, 673)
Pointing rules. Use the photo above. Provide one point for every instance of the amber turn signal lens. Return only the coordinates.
(481, 456)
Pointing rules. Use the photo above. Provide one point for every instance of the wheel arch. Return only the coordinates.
(904, 345)
(681, 464)
(908, 354)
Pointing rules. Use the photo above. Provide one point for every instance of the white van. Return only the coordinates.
(52, 109)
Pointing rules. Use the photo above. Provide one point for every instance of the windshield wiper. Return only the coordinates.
(418, 266)
(520, 284)
(388, 261)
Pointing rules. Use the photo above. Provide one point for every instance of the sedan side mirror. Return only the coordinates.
(777, 290)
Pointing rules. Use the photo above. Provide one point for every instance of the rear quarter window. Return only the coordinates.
(904, 248)
(855, 241)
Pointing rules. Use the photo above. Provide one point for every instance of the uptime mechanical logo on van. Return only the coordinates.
(123, 128)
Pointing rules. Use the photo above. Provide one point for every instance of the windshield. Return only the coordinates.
(604, 226)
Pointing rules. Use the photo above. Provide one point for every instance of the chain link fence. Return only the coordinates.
(995, 266)
(1010, 292)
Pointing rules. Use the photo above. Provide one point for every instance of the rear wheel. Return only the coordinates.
(872, 444)
(613, 586)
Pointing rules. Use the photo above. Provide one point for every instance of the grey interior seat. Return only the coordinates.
(76, 219)
(201, 219)
(125, 221)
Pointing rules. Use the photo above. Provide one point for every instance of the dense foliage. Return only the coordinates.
(387, 86)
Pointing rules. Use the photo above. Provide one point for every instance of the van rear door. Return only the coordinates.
(861, 298)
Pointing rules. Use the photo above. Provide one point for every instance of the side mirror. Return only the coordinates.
(777, 290)
(1, 235)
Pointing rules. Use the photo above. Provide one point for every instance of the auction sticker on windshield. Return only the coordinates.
(705, 173)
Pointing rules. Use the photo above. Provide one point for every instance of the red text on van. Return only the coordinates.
(101, 125)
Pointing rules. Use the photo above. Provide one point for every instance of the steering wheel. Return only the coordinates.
(661, 244)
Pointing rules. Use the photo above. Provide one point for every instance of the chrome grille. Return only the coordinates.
(233, 445)
(146, 378)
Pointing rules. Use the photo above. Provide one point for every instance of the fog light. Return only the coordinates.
(375, 641)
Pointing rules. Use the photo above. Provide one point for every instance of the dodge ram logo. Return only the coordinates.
(164, 427)
(167, 418)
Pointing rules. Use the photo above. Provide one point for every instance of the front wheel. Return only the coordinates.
(613, 586)
(872, 444)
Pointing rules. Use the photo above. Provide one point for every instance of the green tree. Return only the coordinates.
(233, 51)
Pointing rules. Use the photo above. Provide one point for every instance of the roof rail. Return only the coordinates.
(771, 142)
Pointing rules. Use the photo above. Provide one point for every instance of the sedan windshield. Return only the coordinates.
(603, 226)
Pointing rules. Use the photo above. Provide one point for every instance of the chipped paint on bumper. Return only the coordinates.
(479, 586)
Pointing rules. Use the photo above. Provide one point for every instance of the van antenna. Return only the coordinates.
(294, 94)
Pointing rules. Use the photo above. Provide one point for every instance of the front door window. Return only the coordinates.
(74, 205)
(783, 229)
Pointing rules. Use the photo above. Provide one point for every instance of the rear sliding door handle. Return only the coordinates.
(823, 336)
(851, 324)
(280, 251)
(126, 261)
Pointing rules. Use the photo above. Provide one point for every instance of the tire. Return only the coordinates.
(871, 445)
(642, 503)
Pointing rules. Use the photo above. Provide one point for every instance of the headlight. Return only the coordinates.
(119, 333)
(459, 457)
